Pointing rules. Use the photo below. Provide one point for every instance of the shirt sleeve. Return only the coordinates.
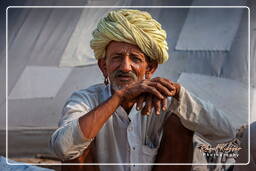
(68, 141)
(202, 117)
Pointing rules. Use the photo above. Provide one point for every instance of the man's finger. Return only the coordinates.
(165, 82)
(148, 105)
(164, 104)
(157, 105)
(154, 91)
(140, 102)
(165, 91)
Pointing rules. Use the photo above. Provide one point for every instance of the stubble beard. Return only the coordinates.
(118, 86)
(115, 86)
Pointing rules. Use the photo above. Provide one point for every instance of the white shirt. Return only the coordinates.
(133, 138)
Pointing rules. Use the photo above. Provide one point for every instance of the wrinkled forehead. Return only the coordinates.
(115, 47)
(122, 47)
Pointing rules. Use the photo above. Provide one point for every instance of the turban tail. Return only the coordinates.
(134, 27)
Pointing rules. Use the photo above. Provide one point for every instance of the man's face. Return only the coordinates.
(125, 64)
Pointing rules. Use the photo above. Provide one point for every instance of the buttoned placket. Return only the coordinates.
(133, 139)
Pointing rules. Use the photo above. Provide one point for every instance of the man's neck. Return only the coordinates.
(127, 105)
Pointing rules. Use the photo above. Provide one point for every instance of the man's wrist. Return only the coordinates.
(119, 95)
(177, 93)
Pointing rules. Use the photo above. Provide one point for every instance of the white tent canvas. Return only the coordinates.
(53, 41)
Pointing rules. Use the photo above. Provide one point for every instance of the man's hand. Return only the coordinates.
(152, 101)
(132, 91)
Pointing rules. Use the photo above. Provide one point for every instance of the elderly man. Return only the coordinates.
(134, 118)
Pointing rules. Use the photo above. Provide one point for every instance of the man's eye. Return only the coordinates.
(136, 59)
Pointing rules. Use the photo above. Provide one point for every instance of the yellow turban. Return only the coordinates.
(134, 27)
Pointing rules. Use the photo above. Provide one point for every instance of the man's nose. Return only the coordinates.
(125, 66)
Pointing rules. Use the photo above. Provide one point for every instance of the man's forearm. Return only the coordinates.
(76, 132)
(93, 121)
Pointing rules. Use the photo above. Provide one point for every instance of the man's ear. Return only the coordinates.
(152, 66)
(103, 67)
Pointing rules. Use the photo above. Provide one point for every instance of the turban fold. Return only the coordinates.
(131, 26)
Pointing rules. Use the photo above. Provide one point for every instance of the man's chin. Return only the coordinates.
(119, 86)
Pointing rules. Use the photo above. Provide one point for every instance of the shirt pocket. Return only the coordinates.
(148, 156)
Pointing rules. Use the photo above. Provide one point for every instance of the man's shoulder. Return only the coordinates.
(94, 92)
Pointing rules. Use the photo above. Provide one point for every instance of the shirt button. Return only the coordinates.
(130, 129)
